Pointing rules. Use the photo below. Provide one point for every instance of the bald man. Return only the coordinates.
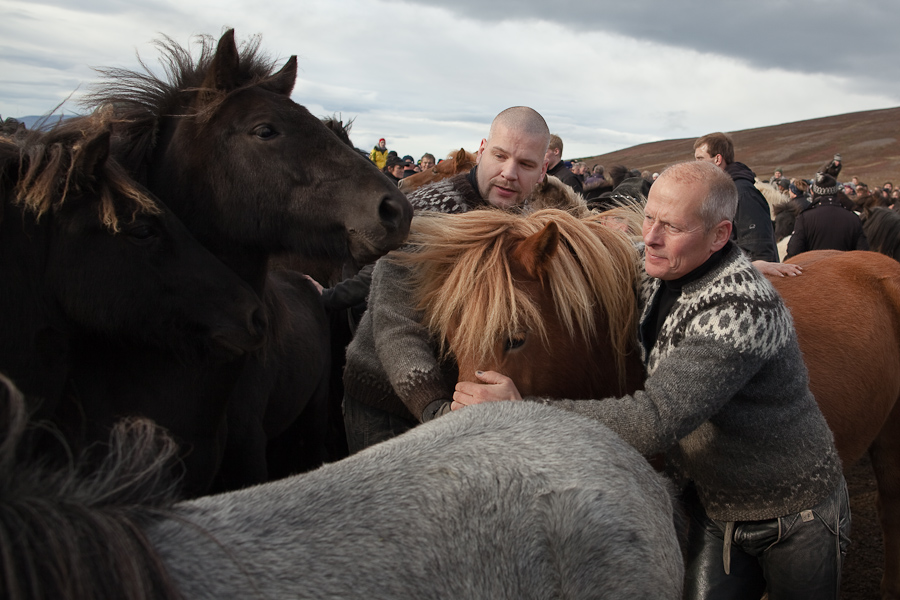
(510, 161)
(393, 379)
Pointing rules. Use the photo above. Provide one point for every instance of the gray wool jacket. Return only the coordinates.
(391, 361)
(727, 399)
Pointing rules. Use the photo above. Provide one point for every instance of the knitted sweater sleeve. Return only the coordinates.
(402, 344)
(692, 383)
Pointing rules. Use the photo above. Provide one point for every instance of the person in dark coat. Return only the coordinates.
(557, 168)
(786, 214)
(753, 230)
(828, 223)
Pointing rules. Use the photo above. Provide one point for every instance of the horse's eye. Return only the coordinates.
(264, 132)
(141, 233)
(514, 342)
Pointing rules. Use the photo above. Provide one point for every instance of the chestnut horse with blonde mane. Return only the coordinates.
(456, 162)
(549, 300)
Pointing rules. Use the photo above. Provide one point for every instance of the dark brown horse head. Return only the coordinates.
(247, 169)
(103, 256)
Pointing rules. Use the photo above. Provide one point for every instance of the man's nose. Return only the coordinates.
(509, 171)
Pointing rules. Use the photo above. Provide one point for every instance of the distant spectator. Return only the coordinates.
(596, 185)
(410, 166)
(833, 167)
(861, 196)
(828, 223)
(556, 167)
(426, 162)
(753, 231)
(595, 176)
(379, 154)
(394, 169)
(777, 175)
(786, 214)
(618, 174)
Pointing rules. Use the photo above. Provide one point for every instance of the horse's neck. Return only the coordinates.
(191, 200)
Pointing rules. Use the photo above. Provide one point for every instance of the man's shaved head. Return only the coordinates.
(526, 121)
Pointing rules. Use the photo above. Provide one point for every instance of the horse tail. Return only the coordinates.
(67, 531)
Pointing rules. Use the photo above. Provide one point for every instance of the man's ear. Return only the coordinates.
(720, 162)
(480, 151)
(723, 233)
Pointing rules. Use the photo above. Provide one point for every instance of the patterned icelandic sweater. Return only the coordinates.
(727, 398)
(456, 194)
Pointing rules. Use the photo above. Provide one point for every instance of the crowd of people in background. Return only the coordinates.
(843, 203)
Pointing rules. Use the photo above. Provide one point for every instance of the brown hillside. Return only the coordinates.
(868, 141)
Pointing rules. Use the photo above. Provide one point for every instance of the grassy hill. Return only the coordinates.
(868, 141)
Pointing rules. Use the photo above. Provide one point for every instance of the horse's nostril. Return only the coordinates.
(394, 213)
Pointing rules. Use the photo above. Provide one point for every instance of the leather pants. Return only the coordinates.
(797, 556)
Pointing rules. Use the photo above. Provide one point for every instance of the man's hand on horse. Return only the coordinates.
(777, 269)
(496, 387)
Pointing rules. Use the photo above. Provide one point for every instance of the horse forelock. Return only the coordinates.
(463, 281)
(49, 174)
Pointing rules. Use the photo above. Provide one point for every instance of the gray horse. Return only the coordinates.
(503, 500)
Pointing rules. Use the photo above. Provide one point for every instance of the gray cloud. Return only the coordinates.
(812, 36)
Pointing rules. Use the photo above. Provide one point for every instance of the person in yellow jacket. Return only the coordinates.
(379, 153)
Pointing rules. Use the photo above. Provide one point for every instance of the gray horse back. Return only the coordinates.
(502, 500)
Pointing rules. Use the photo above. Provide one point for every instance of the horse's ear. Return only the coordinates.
(536, 250)
(92, 155)
(224, 71)
(461, 156)
(283, 81)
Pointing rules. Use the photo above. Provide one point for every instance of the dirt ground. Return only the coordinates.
(863, 569)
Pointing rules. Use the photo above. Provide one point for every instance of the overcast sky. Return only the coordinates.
(605, 75)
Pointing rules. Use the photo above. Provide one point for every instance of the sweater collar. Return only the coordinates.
(711, 263)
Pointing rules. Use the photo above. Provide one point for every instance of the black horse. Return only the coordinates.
(90, 260)
(253, 174)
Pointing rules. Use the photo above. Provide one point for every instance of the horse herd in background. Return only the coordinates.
(135, 249)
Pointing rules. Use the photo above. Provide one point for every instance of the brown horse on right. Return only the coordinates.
(527, 319)
(456, 162)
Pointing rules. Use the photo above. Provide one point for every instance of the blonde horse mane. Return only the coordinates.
(49, 171)
(461, 278)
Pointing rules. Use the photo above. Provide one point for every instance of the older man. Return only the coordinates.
(727, 400)
(393, 379)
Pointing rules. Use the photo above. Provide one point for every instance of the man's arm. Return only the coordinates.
(349, 292)
(690, 385)
(403, 345)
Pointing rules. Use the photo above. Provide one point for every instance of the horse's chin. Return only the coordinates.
(363, 251)
(225, 346)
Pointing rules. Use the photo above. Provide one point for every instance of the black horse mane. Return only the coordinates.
(882, 228)
(73, 532)
(41, 170)
(142, 98)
